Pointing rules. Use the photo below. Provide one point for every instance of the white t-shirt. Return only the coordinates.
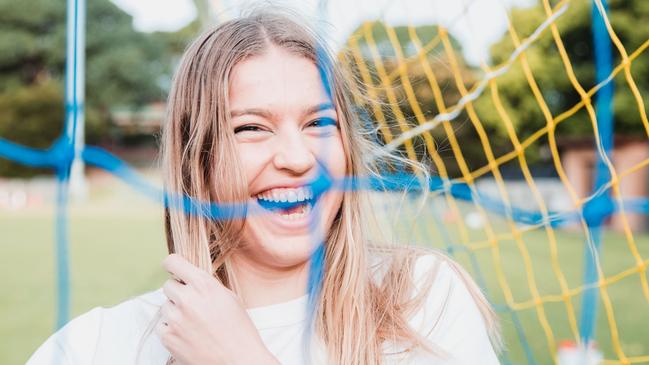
(450, 319)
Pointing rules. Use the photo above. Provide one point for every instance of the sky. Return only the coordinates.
(476, 24)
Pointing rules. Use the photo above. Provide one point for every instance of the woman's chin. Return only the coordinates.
(283, 251)
(284, 240)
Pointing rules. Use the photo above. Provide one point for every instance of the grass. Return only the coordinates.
(629, 304)
(117, 244)
(116, 247)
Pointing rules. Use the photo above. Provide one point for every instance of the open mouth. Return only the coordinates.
(290, 203)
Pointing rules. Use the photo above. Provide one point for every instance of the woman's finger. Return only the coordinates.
(174, 291)
(162, 327)
(184, 271)
(170, 314)
(165, 334)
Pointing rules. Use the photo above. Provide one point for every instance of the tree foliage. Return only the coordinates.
(421, 72)
(627, 18)
(123, 67)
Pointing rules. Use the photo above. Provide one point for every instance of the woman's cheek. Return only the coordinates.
(338, 164)
(252, 160)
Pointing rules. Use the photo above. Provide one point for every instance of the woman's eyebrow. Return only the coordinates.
(269, 115)
(252, 111)
(319, 108)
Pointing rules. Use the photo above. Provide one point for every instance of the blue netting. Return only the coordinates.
(598, 208)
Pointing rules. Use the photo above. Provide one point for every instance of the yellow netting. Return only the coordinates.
(394, 86)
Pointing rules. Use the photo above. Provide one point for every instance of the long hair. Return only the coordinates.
(354, 314)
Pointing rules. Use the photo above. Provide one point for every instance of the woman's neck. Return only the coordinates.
(261, 285)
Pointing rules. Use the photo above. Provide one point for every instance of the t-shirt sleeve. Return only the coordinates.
(74, 344)
(450, 318)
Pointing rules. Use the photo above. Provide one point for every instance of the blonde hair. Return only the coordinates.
(354, 313)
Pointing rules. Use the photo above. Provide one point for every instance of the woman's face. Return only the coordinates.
(286, 129)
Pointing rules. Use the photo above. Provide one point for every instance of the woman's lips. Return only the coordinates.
(299, 217)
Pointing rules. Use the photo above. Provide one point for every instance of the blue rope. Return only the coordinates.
(600, 207)
(60, 156)
(65, 147)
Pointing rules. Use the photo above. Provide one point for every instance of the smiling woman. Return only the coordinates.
(260, 114)
(286, 132)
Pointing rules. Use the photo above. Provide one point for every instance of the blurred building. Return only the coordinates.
(144, 120)
(579, 157)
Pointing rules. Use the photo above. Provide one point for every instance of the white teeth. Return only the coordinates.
(287, 195)
(291, 195)
(303, 211)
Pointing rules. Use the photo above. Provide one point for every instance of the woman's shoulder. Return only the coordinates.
(421, 263)
(101, 330)
(418, 262)
(435, 280)
(134, 313)
(82, 331)
(453, 314)
(141, 307)
(446, 287)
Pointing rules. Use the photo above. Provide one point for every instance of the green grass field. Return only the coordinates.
(630, 306)
(116, 247)
(117, 244)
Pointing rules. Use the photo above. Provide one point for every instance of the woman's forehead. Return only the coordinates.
(277, 80)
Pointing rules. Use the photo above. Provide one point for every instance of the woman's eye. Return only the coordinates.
(323, 122)
(247, 128)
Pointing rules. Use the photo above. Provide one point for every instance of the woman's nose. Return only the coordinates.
(294, 154)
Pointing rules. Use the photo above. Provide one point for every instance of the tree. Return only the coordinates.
(437, 60)
(575, 28)
(123, 67)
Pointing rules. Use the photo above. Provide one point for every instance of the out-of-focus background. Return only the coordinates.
(511, 87)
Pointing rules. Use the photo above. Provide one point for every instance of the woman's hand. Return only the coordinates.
(203, 322)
